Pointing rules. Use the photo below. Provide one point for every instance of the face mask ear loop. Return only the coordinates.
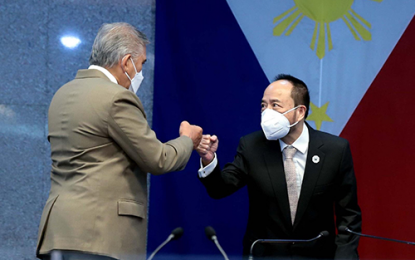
(290, 110)
(134, 65)
(297, 121)
(125, 72)
(294, 124)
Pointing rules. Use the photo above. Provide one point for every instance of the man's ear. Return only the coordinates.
(302, 109)
(124, 62)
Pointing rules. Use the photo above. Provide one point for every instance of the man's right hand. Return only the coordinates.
(207, 148)
(193, 131)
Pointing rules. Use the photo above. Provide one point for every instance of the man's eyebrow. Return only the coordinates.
(272, 100)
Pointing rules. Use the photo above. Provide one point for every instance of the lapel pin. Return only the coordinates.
(315, 159)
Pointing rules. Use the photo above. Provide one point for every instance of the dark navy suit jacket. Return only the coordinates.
(328, 197)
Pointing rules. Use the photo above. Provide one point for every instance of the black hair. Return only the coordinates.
(299, 93)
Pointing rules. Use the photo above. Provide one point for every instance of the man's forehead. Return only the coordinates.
(283, 82)
(280, 87)
(278, 91)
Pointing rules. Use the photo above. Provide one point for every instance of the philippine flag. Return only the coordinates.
(213, 61)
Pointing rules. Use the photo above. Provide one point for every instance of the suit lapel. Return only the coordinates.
(275, 167)
(311, 173)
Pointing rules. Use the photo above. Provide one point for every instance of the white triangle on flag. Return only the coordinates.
(340, 72)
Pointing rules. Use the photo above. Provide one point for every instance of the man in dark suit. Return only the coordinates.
(300, 181)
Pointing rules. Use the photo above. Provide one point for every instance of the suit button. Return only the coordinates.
(293, 243)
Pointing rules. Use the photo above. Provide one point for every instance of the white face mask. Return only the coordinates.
(274, 124)
(136, 81)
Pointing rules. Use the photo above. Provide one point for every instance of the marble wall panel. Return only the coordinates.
(34, 65)
(23, 54)
(24, 174)
(83, 19)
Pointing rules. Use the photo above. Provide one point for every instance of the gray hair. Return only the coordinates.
(114, 41)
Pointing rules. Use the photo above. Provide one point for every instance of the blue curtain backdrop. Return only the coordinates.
(206, 73)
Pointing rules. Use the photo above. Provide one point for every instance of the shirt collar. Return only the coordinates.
(301, 144)
(105, 71)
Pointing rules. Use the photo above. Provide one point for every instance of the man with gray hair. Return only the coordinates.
(101, 151)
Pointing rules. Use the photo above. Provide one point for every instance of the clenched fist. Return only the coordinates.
(193, 131)
(207, 148)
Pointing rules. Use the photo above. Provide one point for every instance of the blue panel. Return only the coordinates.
(206, 73)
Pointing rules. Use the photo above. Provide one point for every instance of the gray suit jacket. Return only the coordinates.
(101, 151)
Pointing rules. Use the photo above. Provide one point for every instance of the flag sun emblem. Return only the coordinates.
(323, 12)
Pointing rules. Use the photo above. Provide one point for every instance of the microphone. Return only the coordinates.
(346, 229)
(175, 234)
(211, 234)
(281, 241)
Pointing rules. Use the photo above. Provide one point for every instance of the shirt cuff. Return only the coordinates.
(208, 169)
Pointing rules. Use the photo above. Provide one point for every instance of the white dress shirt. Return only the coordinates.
(300, 158)
(105, 71)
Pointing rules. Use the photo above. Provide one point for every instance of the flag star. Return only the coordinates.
(318, 115)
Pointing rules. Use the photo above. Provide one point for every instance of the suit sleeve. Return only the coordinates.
(128, 126)
(220, 184)
(347, 209)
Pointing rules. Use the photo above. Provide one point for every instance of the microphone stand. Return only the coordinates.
(282, 241)
(160, 247)
(175, 234)
(376, 237)
(211, 234)
(214, 238)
